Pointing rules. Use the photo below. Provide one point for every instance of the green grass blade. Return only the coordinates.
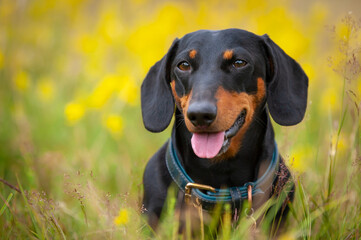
(37, 229)
(2, 210)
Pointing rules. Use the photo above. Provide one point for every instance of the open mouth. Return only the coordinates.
(210, 145)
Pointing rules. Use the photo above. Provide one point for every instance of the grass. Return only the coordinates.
(74, 171)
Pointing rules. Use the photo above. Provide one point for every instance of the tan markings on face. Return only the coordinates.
(193, 53)
(228, 54)
(181, 102)
(229, 107)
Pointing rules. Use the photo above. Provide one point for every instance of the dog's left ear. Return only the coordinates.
(156, 94)
(287, 86)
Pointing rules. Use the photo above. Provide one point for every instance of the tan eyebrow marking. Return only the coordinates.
(228, 54)
(193, 53)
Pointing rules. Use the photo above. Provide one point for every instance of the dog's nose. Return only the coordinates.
(202, 113)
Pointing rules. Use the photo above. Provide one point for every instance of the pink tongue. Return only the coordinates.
(207, 145)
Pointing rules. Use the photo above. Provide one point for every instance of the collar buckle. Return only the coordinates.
(190, 186)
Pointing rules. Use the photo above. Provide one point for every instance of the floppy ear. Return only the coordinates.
(156, 96)
(287, 86)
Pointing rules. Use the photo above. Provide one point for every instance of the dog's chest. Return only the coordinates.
(222, 175)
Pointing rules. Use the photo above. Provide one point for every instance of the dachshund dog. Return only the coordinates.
(222, 87)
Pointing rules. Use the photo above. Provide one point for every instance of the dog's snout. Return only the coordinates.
(202, 113)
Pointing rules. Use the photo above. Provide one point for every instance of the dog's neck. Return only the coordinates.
(257, 147)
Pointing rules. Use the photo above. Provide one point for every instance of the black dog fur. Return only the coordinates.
(271, 81)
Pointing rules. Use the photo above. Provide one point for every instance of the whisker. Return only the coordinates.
(180, 120)
(259, 121)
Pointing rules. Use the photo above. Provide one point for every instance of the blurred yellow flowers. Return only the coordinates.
(343, 31)
(21, 81)
(122, 218)
(287, 236)
(45, 89)
(301, 156)
(103, 91)
(129, 91)
(1, 60)
(87, 44)
(114, 124)
(74, 112)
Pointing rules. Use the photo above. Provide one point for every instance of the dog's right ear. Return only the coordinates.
(287, 86)
(156, 94)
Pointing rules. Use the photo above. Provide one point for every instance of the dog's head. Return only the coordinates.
(219, 80)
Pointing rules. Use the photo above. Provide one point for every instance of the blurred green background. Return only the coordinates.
(71, 131)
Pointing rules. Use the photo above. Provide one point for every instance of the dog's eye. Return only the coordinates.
(239, 63)
(184, 66)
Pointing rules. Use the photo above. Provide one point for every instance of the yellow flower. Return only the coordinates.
(45, 89)
(129, 91)
(341, 144)
(343, 31)
(87, 44)
(104, 91)
(122, 218)
(165, 24)
(252, 5)
(300, 155)
(109, 26)
(287, 236)
(114, 124)
(330, 99)
(21, 81)
(284, 29)
(1, 60)
(309, 70)
(74, 112)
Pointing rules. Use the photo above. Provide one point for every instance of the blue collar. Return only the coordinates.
(225, 195)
